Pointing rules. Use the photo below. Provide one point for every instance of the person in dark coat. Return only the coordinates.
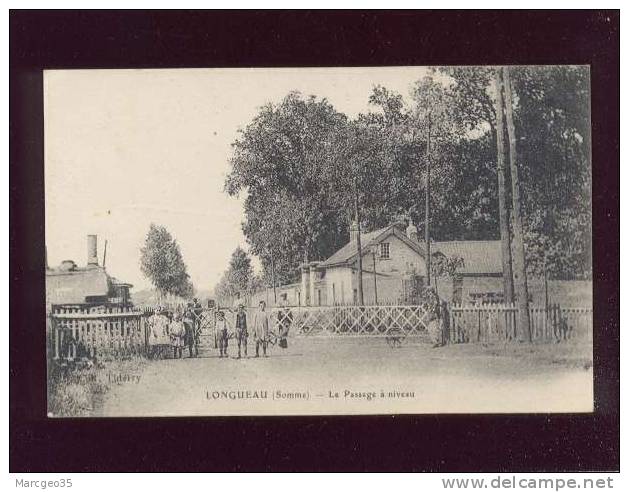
(191, 338)
(241, 329)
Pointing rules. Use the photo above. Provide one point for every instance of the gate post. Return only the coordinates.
(55, 336)
(445, 323)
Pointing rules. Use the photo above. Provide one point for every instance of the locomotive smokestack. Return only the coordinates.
(92, 250)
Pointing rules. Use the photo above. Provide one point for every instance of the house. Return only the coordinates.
(70, 284)
(393, 260)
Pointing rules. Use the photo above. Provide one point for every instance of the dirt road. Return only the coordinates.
(324, 376)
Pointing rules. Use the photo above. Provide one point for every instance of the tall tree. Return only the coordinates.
(518, 234)
(278, 160)
(162, 263)
(297, 159)
(551, 112)
(238, 278)
(505, 238)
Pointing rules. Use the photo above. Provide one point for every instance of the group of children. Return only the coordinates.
(179, 329)
(182, 328)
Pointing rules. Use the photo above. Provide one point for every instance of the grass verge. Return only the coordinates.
(77, 388)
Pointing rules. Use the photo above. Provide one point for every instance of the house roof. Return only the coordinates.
(350, 250)
(478, 256)
(72, 287)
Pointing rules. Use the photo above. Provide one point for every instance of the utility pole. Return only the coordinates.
(545, 295)
(427, 206)
(375, 280)
(505, 237)
(520, 264)
(358, 245)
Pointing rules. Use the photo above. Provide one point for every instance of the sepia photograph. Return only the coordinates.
(318, 241)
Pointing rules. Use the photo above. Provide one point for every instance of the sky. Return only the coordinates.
(125, 148)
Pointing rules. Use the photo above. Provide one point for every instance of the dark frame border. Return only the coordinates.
(473, 443)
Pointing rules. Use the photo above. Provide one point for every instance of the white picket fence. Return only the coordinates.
(497, 322)
(95, 331)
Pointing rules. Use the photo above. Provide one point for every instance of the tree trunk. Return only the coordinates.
(518, 239)
(507, 272)
(273, 278)
(427, 208)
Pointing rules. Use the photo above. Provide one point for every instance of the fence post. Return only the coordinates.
(452, 335)
(144, 331)
(445, 319)
(55, 336)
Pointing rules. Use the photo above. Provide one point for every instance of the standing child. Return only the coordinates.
(177, 334)
(222, 333)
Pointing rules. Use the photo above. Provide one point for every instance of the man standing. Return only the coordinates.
(188, 323)
(261, 328)
(241, 329)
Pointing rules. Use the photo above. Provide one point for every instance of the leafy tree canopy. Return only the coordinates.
(302, 164)
(162, 263)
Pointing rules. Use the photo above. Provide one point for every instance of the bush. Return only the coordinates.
(75, 389)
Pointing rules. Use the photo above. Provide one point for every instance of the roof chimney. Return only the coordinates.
(411, 232)
(92, 250)
(353, 232)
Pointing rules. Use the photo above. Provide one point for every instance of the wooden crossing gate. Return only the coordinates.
(353, 321)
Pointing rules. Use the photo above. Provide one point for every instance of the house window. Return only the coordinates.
(385, 251)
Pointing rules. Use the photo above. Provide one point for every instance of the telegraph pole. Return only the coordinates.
(520, 263)
(505, 237)
(427, 206)
(358, 245)
(375, 280)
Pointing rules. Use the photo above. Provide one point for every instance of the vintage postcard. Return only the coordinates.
(318, 241)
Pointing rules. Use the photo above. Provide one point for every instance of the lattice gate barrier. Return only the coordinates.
(352, 321)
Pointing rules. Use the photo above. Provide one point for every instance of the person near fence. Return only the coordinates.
(236, 304)
(222, 333)
(191, 338)
(241, 329)
(158, 335)
(285, 318)
(177, 335)
(197, 313)
(261, 328)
